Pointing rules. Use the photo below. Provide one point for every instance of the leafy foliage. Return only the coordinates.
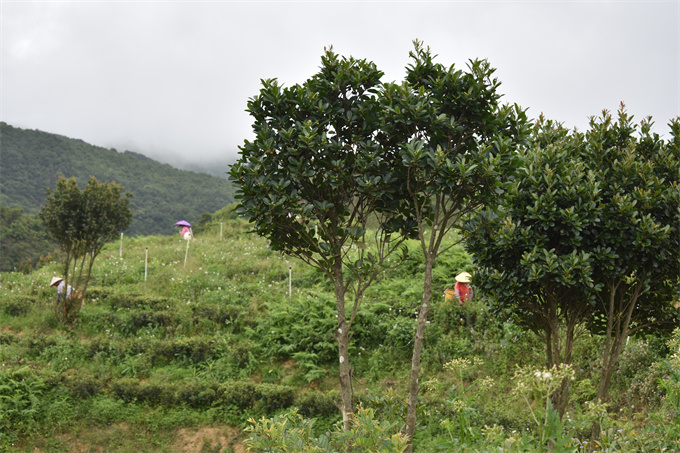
(23, 240)
(589, 234)
(293, 433)
(82, 223)
(315, 175)
(455, 143)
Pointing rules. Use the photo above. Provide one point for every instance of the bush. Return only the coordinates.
(83, 386)
(314, 404)
(275, 397)
(19, 305)
(299, 325)
(8, 338)
(98, 347)
(192, 350)
(139, 319)
(142, 301)
(97, 293)
(106, 410)
(292, 432)
(636, 379)
(196, 395)
(221, 315)
(126, 389)
(249, 395)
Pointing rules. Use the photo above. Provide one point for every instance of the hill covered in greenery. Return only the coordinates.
(175, 355)
(32, 160)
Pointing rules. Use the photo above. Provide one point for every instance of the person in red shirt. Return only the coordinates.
(463, 290)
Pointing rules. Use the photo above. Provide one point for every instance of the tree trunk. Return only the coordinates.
(559, 349)
(618, 325)
(345, 378)
(342, 337)
(410, 428)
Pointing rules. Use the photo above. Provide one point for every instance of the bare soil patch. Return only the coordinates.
(208, 440)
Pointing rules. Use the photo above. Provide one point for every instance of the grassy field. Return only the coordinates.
(171, 355)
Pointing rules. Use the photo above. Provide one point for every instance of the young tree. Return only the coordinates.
(82, 222)
(637, 249)
(530, 257)
(588, 236)
(457, 150)
(313, 176)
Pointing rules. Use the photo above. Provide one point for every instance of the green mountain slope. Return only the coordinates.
(31, 161)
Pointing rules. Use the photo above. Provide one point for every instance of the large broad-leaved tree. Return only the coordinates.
(637, 246)
(587, 238)
(82, 222)
(315, 174)
(457, 147)
(530, 254)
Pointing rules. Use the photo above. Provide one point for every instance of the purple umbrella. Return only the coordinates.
(183, 223)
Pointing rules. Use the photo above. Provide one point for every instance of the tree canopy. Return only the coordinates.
(587, 236)
(315, 174)
(456, 142)
(82, 222)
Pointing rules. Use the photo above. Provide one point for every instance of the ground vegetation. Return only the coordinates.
(175, 357)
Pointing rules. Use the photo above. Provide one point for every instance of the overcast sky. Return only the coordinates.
(171, 79)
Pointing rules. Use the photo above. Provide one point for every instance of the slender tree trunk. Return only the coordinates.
(616, 336)
(569, 340)
(345, 379)
(559, 349)
(618, 324)
(561, 394)
(342, 337)
(410, 428)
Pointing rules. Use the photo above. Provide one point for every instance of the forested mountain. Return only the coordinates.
(31, 161)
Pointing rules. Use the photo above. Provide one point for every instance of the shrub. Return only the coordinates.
(98, 347)
(192, 350)
(249, 395)
(314, 404)
(19, 305)
(97, 293)
(299, 325)
(196, 395)
(126, 389)
(401, 332)
(8, 338)
(274, 397)
(142, 301)
(636, 379)
(83, 386)
(292, 432)
(139, 319)
(106, 410)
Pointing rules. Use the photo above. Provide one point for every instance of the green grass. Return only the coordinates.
(189, 354)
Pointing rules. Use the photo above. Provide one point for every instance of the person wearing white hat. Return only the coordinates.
(463, 289)
(60, 288)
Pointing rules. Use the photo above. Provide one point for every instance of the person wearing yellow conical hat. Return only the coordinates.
(463, 290)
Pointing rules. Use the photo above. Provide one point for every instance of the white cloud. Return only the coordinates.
(172, 79)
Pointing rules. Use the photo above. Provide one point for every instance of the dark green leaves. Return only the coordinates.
(586, 209)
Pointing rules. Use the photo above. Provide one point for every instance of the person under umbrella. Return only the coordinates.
(185, 233)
